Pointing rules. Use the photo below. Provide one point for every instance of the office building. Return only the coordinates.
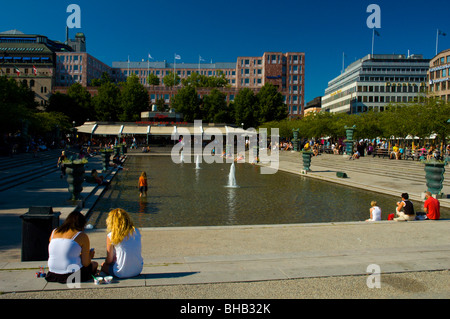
(80, 67)
(284, 70)
(30, 59)
(439, 77)
(374, 81)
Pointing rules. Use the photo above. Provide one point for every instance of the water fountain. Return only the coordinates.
(232, 177)
(197, 162)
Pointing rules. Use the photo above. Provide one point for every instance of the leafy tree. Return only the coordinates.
(215, 109)
(187, 101)
(200, 80)
(106, 102)
(105, 78)
(246, 109)
(134, 99)
(270, 104)
(160, 105)
(171, 79)
(17, 104)
(153, 79)
(83, 106)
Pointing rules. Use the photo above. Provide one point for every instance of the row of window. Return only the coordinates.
(69, 58)
(440, 73)
(440, 86)
(391, 79)
(392, 88)
(442, 60)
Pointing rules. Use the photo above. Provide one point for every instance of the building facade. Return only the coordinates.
(80, 67)
(374, 81)
(286, 71)
(439, 76)
(31, 60)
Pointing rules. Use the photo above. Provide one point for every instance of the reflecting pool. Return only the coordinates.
(198, 194)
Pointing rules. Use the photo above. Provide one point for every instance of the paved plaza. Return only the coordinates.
(327, 260)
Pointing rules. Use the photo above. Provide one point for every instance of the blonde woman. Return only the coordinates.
(375, 212)
(123, 246)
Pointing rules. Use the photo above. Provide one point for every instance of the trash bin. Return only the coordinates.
(37, 226)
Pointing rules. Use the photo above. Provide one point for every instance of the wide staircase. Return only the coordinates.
(23, 167)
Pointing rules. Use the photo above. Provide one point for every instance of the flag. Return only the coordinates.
(149, 56)
(442, 33)
(17, 71)
(34, 70)
(376, 33)
(177, 57)
(201, 59)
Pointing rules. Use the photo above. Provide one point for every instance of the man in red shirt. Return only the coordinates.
(432, 206)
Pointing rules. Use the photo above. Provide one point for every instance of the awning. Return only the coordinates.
(133, 129)
(108, 130)
(161, 130)
(87, 127)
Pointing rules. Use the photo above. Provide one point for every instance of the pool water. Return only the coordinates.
(181, 195)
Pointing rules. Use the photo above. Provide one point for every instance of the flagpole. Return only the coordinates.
(437, 40)
(373, 39)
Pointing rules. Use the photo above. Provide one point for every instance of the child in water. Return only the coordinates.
(143, 185)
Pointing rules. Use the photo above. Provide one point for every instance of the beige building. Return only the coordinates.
(30, 59)
(439, 77)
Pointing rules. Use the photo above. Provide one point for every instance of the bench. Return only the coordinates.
(381, 152)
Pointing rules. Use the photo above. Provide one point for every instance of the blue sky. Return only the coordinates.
(221, 30)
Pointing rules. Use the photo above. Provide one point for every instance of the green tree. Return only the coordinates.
(17, 104)
(215, 109)
(246, 109)
(106, 102)
(134, 99)
(153, 79)
(187, 101)
(83, 106)
(171, 79)
(270, 104)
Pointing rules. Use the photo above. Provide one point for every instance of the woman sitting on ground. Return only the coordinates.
(375, 212)
(123, 246)
(69, 251)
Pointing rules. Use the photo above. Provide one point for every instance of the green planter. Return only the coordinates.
(306, 156)
(123, 149)
(116, 150)
(106, 155)
(75, 178)
(434, 175)
(295, 140)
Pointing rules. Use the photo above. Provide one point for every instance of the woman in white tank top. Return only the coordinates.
(375, 212)
(123, 246)
(69, 251)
